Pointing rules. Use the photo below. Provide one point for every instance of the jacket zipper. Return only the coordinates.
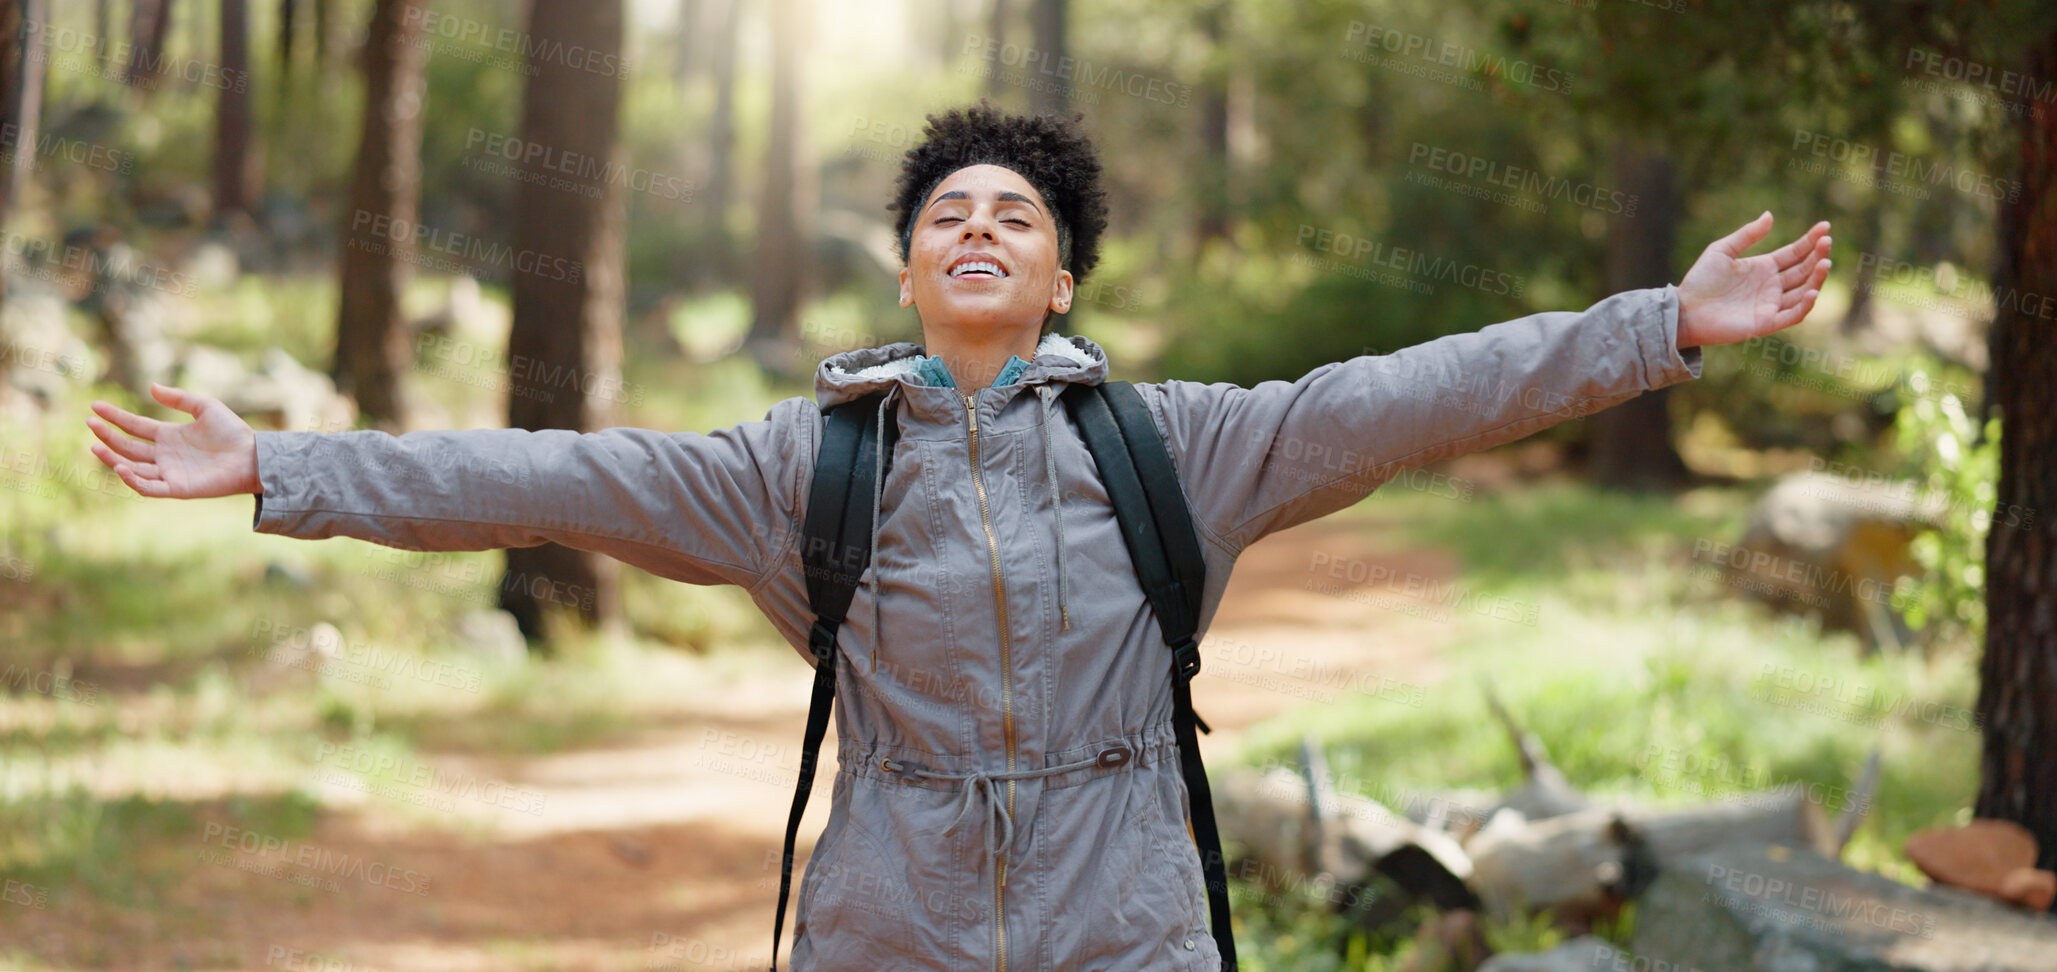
(978, 483)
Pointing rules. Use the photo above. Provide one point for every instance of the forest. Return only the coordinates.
(1576, 699)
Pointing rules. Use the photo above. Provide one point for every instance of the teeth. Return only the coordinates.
(964, 268)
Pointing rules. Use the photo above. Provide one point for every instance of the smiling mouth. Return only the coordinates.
(978, 269)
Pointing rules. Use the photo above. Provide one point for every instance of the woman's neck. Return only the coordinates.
(976, 357)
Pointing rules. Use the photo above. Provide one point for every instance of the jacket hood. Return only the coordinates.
(853, 374)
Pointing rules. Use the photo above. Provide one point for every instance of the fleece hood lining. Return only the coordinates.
(1052, 344)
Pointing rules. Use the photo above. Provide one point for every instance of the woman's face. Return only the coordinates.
(987, 223)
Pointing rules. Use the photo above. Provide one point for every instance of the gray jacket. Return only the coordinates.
(1008, 792)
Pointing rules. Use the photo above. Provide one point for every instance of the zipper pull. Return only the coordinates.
(971, 414)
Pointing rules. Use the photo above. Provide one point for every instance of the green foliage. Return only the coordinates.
(1955, 466)
(126, 849)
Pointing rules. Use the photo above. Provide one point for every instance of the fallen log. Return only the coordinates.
(1585, 864)
(1296, 834)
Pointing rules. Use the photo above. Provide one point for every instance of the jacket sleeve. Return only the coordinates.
(717, 508)
(1261, 459)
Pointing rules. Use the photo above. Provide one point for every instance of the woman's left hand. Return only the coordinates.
(1726, 297)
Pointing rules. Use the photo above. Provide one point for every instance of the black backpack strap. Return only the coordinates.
(1143, 485)
(835, 549)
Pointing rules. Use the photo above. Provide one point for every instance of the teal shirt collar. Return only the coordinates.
(933, 373)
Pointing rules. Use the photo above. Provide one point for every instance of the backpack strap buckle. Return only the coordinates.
(821, 639)
(1185, 660)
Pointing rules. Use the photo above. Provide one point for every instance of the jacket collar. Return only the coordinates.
(854, 374)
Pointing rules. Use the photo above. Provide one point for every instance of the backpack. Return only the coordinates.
(1157, 527)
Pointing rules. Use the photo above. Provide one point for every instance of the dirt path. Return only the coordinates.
(661, 852)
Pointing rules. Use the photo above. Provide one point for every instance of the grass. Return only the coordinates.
(1646, 682)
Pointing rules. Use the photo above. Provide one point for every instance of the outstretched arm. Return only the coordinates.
(705, 509)
(1260, 459)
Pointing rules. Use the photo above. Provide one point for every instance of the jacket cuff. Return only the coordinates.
(275, 454)
(1663, 363)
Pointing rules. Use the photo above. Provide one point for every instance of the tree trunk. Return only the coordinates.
(688, 45)
(564, 353)
(996, 39)
(1052, 94)
(1870, 230)
(149, 23)
(372, 349)
(782, 266)
(235, 152)
(1631, 442)
(1212, 221)
(948, 33)
(23, 100)
(2017, 700)
(13, 57)
(288, 10)
(324, 22)
(721, 125)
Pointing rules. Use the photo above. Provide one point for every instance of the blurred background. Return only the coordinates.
(220, 750)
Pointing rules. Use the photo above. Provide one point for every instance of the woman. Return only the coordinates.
(999, 648)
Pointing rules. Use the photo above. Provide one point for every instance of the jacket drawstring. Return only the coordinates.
(1000, 835)
(878, 492)
(1047, 394)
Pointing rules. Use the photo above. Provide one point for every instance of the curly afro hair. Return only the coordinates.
(1049, 152)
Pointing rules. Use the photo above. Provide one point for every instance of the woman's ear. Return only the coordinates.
(906, 292)
(1060, 292)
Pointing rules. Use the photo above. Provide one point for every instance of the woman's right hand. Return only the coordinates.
(213, 455)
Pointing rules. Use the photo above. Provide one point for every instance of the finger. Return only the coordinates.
(144, 487)
(142, 427)
(128, 448)
(1791, 276)
(181, 399)
(108, 457)
(1800, 249)
(1745, 236)
(1796, 313)
(1813, 285)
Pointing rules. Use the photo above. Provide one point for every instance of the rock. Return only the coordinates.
(212, 263)
(284, 394)
(296, 659)
(464, 314)
(288, 575)
(40, 357)
(306, 398)
(2029, 888)
(1755, 906)
(126, 293)
(1582, 954)
(212, 371)
(1976, 857)
(492, 636)
(1828, 545)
